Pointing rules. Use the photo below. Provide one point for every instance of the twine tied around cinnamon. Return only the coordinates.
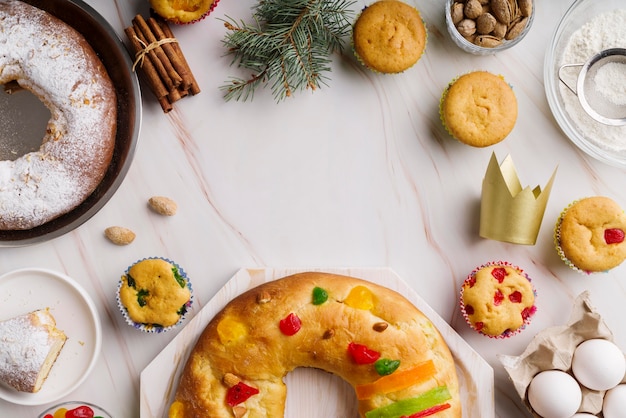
(165, 70)
(141, 55)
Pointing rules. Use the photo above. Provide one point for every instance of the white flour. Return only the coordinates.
(610, 82)
(607, 30)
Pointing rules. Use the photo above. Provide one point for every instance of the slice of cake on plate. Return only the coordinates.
(29, 346)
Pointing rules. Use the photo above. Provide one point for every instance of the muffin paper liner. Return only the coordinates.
(508, 333)
(149, 328)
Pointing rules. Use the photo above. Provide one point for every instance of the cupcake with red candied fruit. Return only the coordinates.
(589, 235)
(498, 299)
(183, 11)
(154, 294)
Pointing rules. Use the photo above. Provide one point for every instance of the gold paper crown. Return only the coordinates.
(508, 212)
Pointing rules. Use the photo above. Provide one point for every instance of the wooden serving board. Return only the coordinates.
(312, 393)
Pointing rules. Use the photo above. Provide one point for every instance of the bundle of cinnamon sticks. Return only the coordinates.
(160, 60)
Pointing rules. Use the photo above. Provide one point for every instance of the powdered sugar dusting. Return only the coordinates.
(23, 349)
(47, 57)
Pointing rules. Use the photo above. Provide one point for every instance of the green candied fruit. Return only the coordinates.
(178, 277)
(141, 297)
(131, 281)
(319, 296)
(386, 366)
(412, 405)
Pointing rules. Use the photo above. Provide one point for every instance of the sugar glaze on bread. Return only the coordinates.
(244, 346)
(53, 61)
(29, 347)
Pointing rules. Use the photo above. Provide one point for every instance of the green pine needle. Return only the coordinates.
(288, 46)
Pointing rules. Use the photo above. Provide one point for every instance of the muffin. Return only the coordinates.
(479, 109)
(182, 12)
(389, 36)
(498, 299)
(589, 234)
(154, 294)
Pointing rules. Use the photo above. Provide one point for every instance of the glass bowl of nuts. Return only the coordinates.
(484, 27)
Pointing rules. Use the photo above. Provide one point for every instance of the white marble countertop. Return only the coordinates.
(359, 174)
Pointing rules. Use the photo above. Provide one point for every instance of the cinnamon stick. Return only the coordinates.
(158, 64)
(150, 73)
(163, 64)
(175, 59)
(194, 87)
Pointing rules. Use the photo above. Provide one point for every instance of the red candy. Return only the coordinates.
(80, 412)
(499, 273)
(239, 393)
(361, 354)
(515, 297)
(613, 236)
(498, 297)
(290, 325)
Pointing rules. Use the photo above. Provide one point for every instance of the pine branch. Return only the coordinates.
(288, 46)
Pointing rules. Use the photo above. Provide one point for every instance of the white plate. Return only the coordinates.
(306, 387)
(26, 290)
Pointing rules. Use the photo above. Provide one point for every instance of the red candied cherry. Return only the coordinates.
(362, 354)
(613, 236)
(498, 297)
(516, 297)
(82, 411)
(479, 325)
(499, 273)
(290, 325)
(527, 312)
(469, 309)
(471, 281)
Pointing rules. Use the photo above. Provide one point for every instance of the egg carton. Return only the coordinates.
(553, 349)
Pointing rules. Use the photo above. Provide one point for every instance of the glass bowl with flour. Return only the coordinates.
(588, 28)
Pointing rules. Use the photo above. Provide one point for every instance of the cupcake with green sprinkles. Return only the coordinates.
(389, 36)
(154, 294)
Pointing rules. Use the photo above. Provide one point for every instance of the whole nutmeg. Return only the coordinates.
(485, 23)
(466, 27)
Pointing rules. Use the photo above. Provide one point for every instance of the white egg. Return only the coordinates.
(614, 404)
(554, 394)
(598, 364)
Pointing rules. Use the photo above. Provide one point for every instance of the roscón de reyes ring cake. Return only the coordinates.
(370, 336)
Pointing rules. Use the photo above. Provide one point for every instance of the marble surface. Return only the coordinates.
(359, 174)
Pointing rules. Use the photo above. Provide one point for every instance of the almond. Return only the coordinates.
(119, 235)
(457, 13)
(501, 9)
(525, 7)
(487, 41)
(380, 326)
(163, 205)
(516, 29)
(230, 380)
(485, 23)
(239, 411)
